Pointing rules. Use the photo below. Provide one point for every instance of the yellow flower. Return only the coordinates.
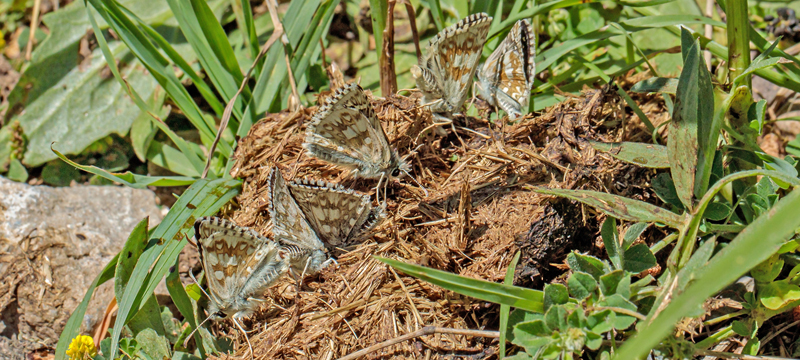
(81, 348)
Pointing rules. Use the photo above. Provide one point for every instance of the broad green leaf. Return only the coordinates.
(153, 344)
(555, 294)
(57, 173)
(75, 110)
(581, 285)
(531, 334)
(639, 258)
(717, 211)
(752, 246)
(147, 318)
(17, 171)
(133, 248)
(505, 310)
(622, 321)
(618, 206)
(519, 316)
(586, 263)
(768, 270)
(610, 237)
(696, 263)
(632, 233)
(518, 297)
(664, 188)
(645, 155)
(609, 282)
(556, 318)
(777, 295)
(656, 85)
(601, 321)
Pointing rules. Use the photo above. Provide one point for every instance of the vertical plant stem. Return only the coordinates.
(388, 75)
(34, 25)
(378, 14)
(738, 38)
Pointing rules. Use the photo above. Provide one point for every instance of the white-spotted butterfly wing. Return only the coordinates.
(291, 229)
(445, 72)
(340, 216)
(347, 132)
(239, 264)
(506, 78)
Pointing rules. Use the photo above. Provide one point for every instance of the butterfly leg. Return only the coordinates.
(238, 325)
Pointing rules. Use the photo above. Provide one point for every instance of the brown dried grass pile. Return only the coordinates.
(477, 215)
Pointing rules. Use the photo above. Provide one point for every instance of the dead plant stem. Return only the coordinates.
(428, 330)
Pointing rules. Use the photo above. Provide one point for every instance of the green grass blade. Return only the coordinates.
(73, 326)
(159, 68)
(646, 155)
(505, 310)
(379, 9)
(618, 206)
(752, 246)
(203, 198)
(128, 178)
(183, 303)
(202, 87)
(517, 297)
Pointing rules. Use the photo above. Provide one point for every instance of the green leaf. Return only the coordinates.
(555, 294)
(129, 179)
(696, 263)
(639, 258)
(645, 155)
(62, 112)
(622, 321)
(610, 237)
(505, 310)
(756, 115)
(602, 321)
(129, 255)
(756, 243)
(656, 84)
(665, 190)
(744, 328)
(142, 129)
(518, 297)
(693, 103)
(17, 171)
(587, 264)
(519, 316)
(531, 335)
(778, 295)
(57, 173)
(768, 270)
(618, 206)
(581, 285)
(556, 318)
(633, 233)
(182, 302)
(153, 345)
(717, 211)
(609, 282)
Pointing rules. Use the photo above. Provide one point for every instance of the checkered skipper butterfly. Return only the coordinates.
(341, 217)
(507, 76)
(446, 70)
(239, 264)
(345, 131)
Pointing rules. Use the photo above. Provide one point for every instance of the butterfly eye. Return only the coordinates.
(395, 172)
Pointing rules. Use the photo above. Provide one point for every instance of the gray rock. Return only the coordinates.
(53, 243)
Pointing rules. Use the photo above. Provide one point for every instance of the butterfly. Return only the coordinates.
(345, 131)
(239, 264)
(445, 72)
(506, 78)
(339, 216)
(304, 248)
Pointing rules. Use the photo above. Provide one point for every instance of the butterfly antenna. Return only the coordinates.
(417, 182)
(252, 356)
(186, 342)
(198, 284)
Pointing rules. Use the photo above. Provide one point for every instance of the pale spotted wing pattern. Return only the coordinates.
(345, 131)
(239, 265)
(506, 78)
(340, 216)
(291, 230)
(445, 72)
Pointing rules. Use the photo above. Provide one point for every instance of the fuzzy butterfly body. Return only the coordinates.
(239, 263)
(339, 216)
(445, 72)
(506, 78)
(347, 132)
